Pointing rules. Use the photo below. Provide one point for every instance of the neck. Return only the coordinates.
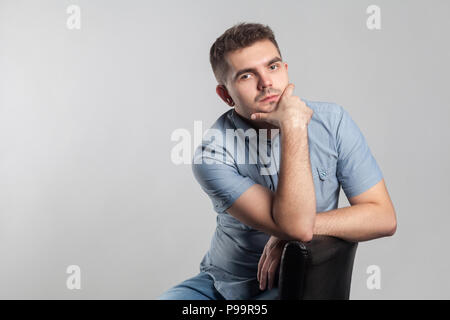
(259, 125)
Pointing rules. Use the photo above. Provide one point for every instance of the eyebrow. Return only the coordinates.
(240, 72)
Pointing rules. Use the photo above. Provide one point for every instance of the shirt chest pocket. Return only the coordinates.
(325, 180)
(326, 186)
(324, 173)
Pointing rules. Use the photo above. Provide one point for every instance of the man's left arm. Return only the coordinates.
(370, 216)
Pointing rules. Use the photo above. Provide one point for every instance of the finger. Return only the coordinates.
(259, 116)
(262, 282)
(271, 272)
(260, 264)
(288, 90)
(263, 277)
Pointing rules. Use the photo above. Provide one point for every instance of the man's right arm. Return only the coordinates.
(289, 212)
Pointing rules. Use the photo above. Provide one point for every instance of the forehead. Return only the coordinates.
(258, 53)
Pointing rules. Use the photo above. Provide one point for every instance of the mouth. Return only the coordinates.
(269, 98)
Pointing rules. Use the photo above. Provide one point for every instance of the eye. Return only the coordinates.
(242, 78)
(275, 64)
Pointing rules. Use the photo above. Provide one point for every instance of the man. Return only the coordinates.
(316, 149)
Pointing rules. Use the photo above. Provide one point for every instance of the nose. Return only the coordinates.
(264, 81)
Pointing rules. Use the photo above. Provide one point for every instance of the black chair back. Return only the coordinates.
(319, 269)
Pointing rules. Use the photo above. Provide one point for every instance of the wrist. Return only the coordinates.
(294, 126)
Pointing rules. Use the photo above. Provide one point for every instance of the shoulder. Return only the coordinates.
(212, 145)
(217, 130)
(224, 122)
(327, 115)
(324, 109)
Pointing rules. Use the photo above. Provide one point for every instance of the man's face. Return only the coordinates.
(255, 72)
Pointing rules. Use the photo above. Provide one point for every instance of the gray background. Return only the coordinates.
(86, 118)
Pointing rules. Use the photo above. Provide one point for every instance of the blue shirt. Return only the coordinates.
(339, 155)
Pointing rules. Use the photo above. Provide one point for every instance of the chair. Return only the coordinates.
(318, 269)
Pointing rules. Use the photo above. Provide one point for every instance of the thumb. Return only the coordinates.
(288, 90)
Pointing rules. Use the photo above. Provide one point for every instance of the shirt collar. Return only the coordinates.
(241, 123)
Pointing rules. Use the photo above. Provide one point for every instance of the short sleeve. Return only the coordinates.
(357, 169)
(219, 178)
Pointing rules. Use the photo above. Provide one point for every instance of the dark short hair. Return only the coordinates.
(239, 36)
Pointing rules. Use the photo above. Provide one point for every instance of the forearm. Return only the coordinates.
(360, 222)
(294, 203)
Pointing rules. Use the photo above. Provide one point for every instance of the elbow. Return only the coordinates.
(299, 229)
(391, 227)
(306, 236)
(302, 235)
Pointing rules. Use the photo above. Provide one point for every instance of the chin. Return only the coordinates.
(268, 107)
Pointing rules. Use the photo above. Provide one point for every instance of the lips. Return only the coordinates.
(272, 97)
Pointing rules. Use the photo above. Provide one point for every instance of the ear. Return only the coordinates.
(224, 95)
